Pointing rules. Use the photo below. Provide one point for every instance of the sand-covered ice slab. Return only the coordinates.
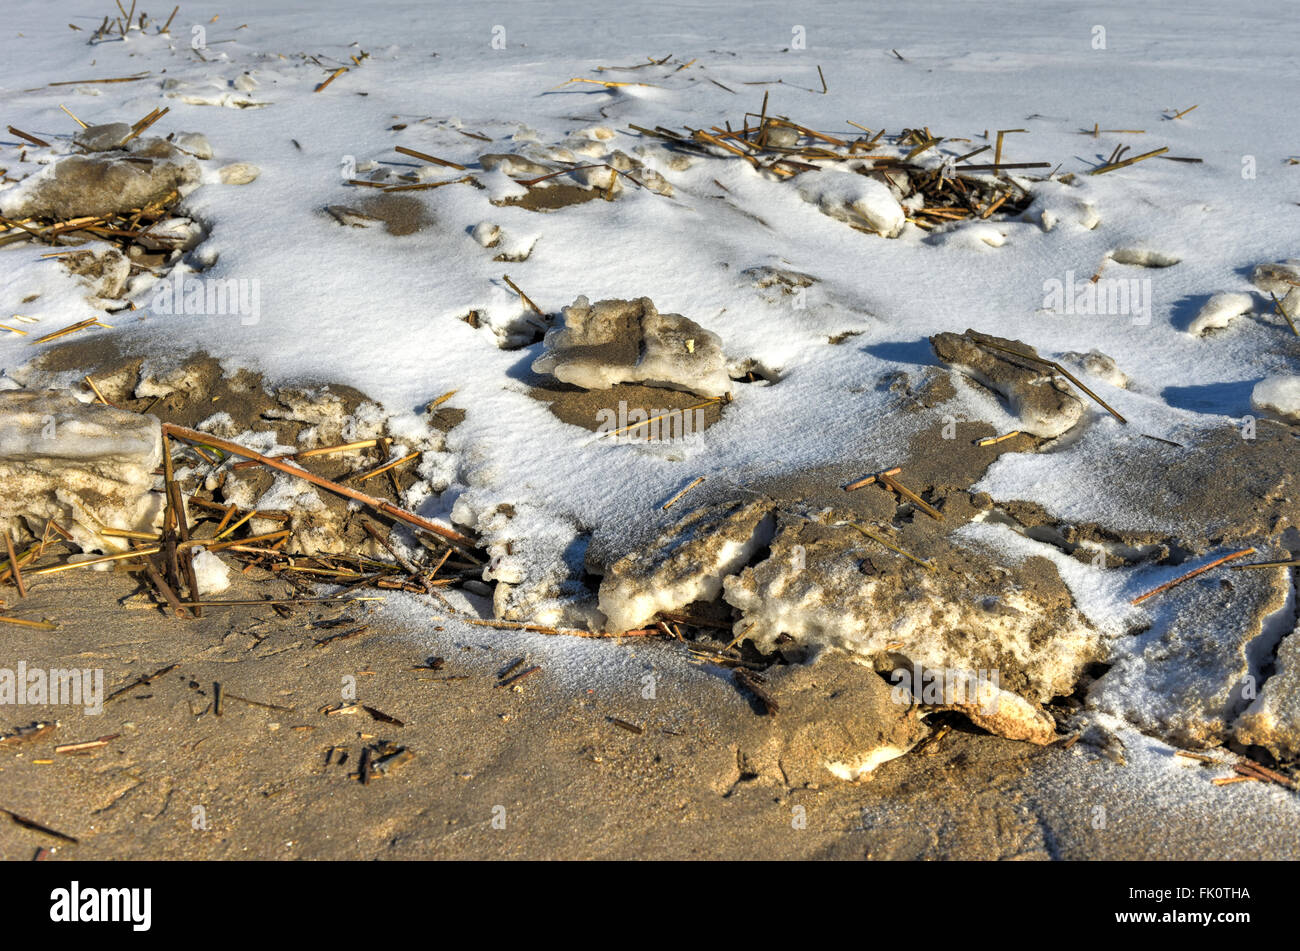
(809, 580)
(827, 583)
(1273, 718)
(1190, 675)
(85, 465)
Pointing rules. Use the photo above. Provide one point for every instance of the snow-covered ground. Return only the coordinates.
(384, 312)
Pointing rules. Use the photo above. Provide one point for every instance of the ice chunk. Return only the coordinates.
(102, 138)
(486, 234)
(1144, 257)
(195, 143)
(622, 341)
(827, 583)
(240, 173)
(211, 573)
(516, 166)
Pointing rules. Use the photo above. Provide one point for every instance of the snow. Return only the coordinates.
(384, 313)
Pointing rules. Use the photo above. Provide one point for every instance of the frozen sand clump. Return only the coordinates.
(1278, 396)
(837, 716)
(1095, 363)
(84, 465)
(99, 185)
(106, 272)
(1279, 279)
(1044, 406)
(622, 341)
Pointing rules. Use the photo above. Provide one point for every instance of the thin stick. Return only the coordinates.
(385, 467)
(671, 502)
(893, 484)
(872, 478)
(994, 440)
(1250, 767)
(1277, 305)
(425, 186)
(145, 123)
(73, 117)
(286, 601)
(13, 566)
(30, 138)
(183, 528)
(524, 297)
(647, 422)
(998, 166)
(84, 82)
(98, 394)
(205, 439)
(318, 451)
(79, 325)
(894, 548)
(428, 158)
(39, 625)
(166, 28)
(1191, 574)
(333, 76)
(440, 400)
(1111, 166)
(169, 595)
(68, 565)
(997, 152)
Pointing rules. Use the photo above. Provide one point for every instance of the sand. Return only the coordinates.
(176, 781)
